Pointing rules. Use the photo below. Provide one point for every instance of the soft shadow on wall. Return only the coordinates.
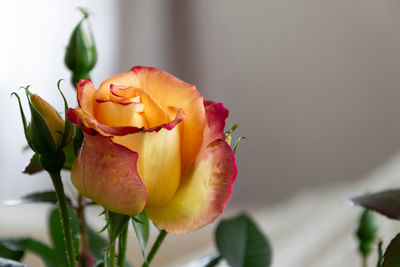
(313, 84)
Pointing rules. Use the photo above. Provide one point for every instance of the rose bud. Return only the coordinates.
(151, 143)
(81, 55)
(46, 133)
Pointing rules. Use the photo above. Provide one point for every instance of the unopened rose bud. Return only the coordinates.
(46, 133)
(81, 55)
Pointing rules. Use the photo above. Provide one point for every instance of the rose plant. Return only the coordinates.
(152, 143)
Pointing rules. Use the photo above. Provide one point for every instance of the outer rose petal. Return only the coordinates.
(168, 90)
(204, 193)
(106, 173)
(216, 115)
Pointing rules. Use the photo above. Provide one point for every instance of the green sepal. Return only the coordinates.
(24, 123)
(142, 229)
(57, 235)
(38, 197)
(68, 129)
(366, 233)
(81, 54)
(237, 143)
(242, 244)
(116, 224)
(34, 165)
(39, 135)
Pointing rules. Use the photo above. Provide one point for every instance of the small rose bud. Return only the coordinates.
(366, 232)
(46, 133)
(81, 55)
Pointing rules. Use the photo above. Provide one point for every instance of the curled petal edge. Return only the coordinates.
(90, 126)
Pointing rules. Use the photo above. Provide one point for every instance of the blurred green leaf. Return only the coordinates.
(47, 254)
(38, 197)
(10, 263)
(380, 253)
(391, 258)
(34, 165)
(57, 234)
(97, 244)
(385, 202)
(142, 230)
(10, 251)
(242, 244)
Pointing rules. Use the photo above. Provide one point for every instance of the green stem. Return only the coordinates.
(65, 220)
(154, 249)
(122, 240)
(84, 253)
(109, 259)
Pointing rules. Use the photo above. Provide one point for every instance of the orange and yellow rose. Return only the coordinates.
(152, 143)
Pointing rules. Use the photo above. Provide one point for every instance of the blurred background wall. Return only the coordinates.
(313, 84)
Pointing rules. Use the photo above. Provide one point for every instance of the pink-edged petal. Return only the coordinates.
(168, 90)
(85, 94)
(202, 196)
(216, 115)
(107, 173)
(91, 126)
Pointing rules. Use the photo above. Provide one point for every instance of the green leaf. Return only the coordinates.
(57, 234)
(214, 261)
(34, 165)
(142, 230)
(391, 258)
(46, 253)
(116, 224)
(380, 253)
(38, 197)
(385, 202)
(97, 244)
(242, 244)
(10, 263)
(9, 251)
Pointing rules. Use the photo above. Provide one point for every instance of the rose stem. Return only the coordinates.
(65, 220)
(109, 260)
(154, 249)
(82, 230)
(122, 241)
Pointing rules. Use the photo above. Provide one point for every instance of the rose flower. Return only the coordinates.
(151, 143)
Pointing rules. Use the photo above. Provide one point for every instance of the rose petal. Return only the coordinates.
(159, 163)
(168, 90)
(202, 196)
(91, 126)
(86, 91)
(107, 173)
(216, 115)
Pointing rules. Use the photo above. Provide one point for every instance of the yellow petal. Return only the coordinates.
(85, 93)
(202, 196)
(158, 164)
(54, 122)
